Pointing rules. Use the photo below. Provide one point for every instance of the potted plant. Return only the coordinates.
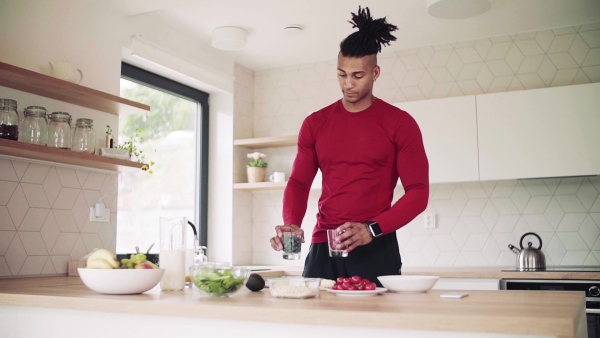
(132, 146)
(256, 168)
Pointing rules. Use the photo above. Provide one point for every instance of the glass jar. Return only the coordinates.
(34, 128)
(59, 130)
(9, 120)
(84, 137)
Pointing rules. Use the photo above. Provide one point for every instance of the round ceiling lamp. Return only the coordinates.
(229, 38)
(457, 9)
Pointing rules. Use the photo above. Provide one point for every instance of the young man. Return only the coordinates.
(362, 145)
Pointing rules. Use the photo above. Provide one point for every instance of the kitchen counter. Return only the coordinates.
(521, 313)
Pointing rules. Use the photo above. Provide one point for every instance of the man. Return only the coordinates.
(362, 145)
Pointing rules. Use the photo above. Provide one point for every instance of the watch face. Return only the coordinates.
(375, 229)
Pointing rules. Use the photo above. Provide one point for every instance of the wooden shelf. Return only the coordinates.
(260, 186)
(44, 85)
(267, 142)
(62, 156)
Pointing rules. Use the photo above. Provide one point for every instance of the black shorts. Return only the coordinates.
(381, 257)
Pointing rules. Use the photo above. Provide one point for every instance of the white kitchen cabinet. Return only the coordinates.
(449, 129)
(467, 284)
(547, 132)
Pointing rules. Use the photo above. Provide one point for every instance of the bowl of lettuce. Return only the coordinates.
(218, 279)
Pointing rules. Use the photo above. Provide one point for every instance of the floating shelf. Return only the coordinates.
(267, 142)
(47, 86)
(260, 186)
(63, 156)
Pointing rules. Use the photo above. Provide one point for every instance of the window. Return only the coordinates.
(173, 139)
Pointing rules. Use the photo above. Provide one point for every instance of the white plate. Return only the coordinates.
(357, 293)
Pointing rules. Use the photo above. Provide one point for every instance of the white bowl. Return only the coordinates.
(120, 281)
(408, 283)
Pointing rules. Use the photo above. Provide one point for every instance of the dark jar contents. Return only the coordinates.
(9, 120)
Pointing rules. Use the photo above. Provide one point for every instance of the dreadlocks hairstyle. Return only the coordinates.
(371, 34)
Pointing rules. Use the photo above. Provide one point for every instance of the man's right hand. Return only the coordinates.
(276, 242)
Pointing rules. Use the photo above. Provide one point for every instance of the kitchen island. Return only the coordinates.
(32, 307)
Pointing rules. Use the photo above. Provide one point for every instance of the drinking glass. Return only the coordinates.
(332, 238)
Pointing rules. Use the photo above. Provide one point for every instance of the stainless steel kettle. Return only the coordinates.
(529, 259)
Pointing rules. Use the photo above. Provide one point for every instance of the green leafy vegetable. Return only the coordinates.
(219, 282)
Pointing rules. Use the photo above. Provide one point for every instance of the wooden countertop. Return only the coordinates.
(560, 314)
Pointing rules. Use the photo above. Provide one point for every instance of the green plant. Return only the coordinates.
(257, 160)
(132, 146)
(108, 130)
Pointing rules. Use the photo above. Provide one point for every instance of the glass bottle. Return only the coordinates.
(84, 137)
(34, 128)
(9, 120)
(59, 130)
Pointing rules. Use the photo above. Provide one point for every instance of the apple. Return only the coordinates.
(146, 265)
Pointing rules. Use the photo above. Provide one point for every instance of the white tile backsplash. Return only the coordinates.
(476, 220)
(44, 216)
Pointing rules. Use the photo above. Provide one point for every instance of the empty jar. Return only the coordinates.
(84, 137)
(9, 120)
(34, 128)
(59, 130)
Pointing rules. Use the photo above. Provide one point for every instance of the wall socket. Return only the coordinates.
(104, 217)
(429, 221)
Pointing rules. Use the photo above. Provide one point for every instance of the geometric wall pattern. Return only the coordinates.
(44, 216)
(476, 220)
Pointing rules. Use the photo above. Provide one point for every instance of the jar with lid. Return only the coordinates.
(84, 137)
(9, 120)
(59, 130)
(34, 128)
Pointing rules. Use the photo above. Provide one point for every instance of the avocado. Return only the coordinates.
(255, 282)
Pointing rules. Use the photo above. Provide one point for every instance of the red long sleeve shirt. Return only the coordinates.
(361, 156)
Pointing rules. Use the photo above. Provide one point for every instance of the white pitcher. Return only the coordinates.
(65, 71)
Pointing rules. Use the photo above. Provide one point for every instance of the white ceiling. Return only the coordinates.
(325, 23)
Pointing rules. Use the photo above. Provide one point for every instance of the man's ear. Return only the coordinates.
(376, 71)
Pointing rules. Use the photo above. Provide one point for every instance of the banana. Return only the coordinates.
(98, 263)
(106, 256)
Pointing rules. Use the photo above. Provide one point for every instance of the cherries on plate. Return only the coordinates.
(353, 283)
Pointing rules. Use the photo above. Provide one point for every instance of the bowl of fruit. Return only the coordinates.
(218, 279)
(105, 274)
(408, 283)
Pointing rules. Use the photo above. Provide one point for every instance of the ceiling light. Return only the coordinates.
(292, 30)
(457, 9)
(229, 38)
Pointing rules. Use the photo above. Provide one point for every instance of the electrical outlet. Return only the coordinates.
(105, 217)
(429, 221)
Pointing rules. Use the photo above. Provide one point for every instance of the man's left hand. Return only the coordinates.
(354, 234)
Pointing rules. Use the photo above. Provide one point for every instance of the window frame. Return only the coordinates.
(144, 77)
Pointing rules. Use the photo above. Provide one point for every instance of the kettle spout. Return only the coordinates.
(51, 64)
(514, 249)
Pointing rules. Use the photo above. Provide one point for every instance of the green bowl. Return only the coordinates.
(218, 280)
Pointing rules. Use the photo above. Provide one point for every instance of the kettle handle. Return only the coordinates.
(531, 233)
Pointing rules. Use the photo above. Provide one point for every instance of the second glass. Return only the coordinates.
(292, 244)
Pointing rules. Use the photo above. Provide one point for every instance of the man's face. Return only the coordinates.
(356, 77)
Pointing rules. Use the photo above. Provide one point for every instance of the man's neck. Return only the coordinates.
(360, 105)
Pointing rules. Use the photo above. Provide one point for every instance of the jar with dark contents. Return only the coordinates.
(84, 137)
(9, 120)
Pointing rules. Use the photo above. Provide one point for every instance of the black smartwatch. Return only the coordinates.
(374, 228)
